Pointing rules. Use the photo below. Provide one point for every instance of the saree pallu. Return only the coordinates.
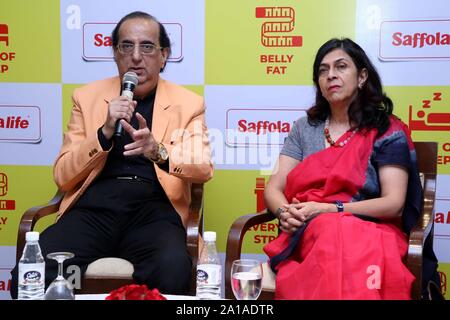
(344, 255)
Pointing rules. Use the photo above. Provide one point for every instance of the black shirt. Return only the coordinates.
(118, 165)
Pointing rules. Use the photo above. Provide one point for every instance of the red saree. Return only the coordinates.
(339, 255)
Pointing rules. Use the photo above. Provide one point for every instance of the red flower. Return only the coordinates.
(135, 292)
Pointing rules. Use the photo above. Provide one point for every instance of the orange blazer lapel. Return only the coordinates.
(110, 91)
(161, 113)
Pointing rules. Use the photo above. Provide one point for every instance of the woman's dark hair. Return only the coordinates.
(371, 107)
(164, 40)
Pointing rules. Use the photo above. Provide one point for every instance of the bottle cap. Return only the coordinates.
(32, 236)
(209, 236)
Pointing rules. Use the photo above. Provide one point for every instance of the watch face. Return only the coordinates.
(279, 211)
(163, 152)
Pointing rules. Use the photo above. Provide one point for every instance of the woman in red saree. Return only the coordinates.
(346, 189)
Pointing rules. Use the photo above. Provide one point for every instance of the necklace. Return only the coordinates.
(326, 132)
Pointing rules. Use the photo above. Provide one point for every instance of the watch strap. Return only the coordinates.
(339, 206)
(279, 211)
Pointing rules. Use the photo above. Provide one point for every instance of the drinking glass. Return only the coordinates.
(60, 288)
(246, 279)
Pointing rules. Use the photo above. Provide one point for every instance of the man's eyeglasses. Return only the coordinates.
(144, 48)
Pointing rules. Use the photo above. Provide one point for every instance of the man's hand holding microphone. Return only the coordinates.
(120, 112)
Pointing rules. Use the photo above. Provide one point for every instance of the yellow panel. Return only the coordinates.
(27, 186)
(254, 42)
(230, 194)
(444, 272)
(425, 111)
(197, 89)
(32, 51)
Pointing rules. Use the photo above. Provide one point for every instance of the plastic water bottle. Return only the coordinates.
(31, 270)
(209, 269)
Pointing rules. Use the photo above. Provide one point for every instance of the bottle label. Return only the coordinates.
(33, 273)
(210, 274)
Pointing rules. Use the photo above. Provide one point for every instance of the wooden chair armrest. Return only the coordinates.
(193, 229)
(234, 242)
(195, 219)
(31, 216)
(420, 232)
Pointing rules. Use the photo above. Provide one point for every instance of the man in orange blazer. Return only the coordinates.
(128, 195)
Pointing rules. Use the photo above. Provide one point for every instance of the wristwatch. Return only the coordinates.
(162, 155)
(279, 211)
(339, 206)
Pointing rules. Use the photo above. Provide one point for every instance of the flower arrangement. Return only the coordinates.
(135, 292)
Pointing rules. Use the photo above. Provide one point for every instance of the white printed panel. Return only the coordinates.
(7, 262)
(20, 124)
(30, 123)
(86, 37)
(442, 219)
(419, 39)
(5, 284)
(442, 222)
(248, 124)
(443, 186)
(407, 40)
(8, 254)
(97, 42)
(441, 247)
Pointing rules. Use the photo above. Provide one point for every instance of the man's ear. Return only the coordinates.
(115, 54)
(165, 54)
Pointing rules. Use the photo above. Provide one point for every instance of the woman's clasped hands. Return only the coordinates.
(297, 213)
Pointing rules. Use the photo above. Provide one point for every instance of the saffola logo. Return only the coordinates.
(259, 126)
(419, 40)
(20, 124)
(13, 122)
(414, 39)
(263, 126)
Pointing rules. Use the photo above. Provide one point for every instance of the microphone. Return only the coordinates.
(129, 82)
